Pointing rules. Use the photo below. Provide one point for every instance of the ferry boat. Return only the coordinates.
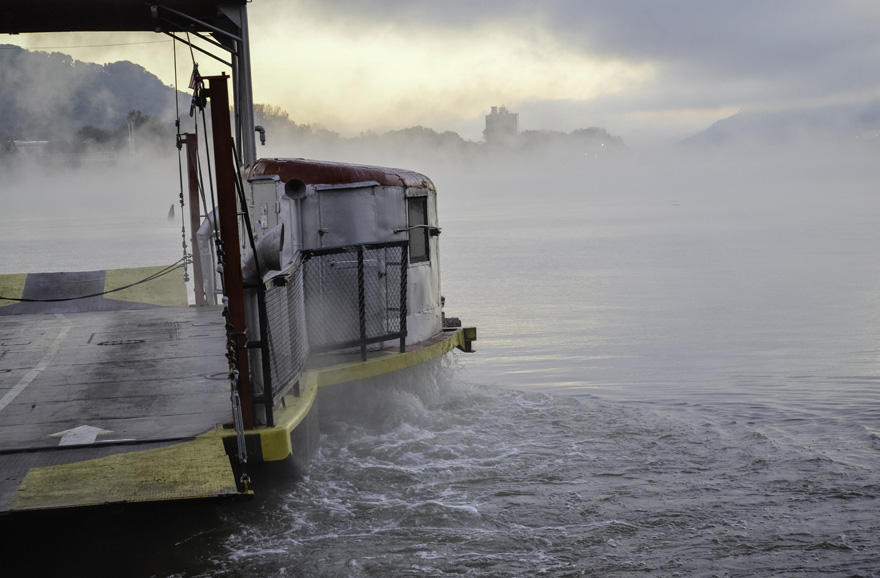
(306, 274)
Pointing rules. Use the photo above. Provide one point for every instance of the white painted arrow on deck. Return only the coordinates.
(82, 434)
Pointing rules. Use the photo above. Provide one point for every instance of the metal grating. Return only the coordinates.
(353, 295)
(330, 299)
(286, 329)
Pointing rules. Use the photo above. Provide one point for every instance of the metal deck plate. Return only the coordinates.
(147, 376)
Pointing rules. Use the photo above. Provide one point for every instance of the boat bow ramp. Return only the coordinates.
(129, 402)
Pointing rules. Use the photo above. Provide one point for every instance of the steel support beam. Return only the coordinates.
(192, 173)
(199, 48)
(242, 85)
(227, 205)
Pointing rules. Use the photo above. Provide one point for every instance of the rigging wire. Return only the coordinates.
(193, 79)
(233, 348)
(162, 272)
(218, 241)
(198, 101)
(180, 166)
(13, 47)
(208, 156)
(200, 178)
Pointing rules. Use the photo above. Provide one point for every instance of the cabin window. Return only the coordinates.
(417, 210)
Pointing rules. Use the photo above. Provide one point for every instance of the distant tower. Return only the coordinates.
(501, 126)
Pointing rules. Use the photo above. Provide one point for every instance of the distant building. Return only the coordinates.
(501, 126)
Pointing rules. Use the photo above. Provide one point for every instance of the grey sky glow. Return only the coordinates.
(640, 68)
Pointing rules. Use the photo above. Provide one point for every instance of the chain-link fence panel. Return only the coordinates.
(355, 296)
(331, 299)
(286, 329)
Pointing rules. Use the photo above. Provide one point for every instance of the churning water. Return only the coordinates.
(678, 373)
(432, 476)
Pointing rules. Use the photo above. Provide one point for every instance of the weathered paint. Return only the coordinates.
(230, 257)
(275, 441)
(168, 290)
(325, 204)
(386, 362)
(324, 172)
(189, 470)
(149, 376)
(12, 286)
(200, 468)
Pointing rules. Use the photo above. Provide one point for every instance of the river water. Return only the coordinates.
(677, 374)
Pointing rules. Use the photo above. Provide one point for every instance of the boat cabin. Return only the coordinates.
(319, 206)
(338, 259)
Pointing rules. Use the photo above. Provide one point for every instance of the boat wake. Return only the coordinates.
(423, 473)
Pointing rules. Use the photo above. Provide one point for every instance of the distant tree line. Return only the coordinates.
(420, 141)
(81, 107)
(51, 96)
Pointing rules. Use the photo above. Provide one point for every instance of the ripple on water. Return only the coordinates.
(424, 474)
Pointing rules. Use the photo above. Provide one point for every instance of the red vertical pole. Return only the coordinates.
(192, 172)
(227, 206)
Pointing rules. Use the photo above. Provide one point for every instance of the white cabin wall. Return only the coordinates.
(347, 216)
(263, 206)
(424, 318)
(327, 216)
(290, 216)
(390, 214)
(308, 218)
(269, 205)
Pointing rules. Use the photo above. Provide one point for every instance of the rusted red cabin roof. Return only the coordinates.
(329, 173)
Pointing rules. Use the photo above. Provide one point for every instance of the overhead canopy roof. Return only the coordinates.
(19, 16)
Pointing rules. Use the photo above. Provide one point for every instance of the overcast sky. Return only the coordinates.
(643, 69)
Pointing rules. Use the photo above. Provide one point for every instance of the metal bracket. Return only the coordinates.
(433, 231)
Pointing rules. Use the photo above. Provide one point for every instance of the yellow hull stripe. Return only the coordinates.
(385, 362)
(275, 441)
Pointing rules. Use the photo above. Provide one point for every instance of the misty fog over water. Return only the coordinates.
(677, 374)
(690, 283)
(668, 244)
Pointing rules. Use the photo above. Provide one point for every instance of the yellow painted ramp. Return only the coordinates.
(168, 290)
(11, 286)
(102, 290)
(196, 469)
